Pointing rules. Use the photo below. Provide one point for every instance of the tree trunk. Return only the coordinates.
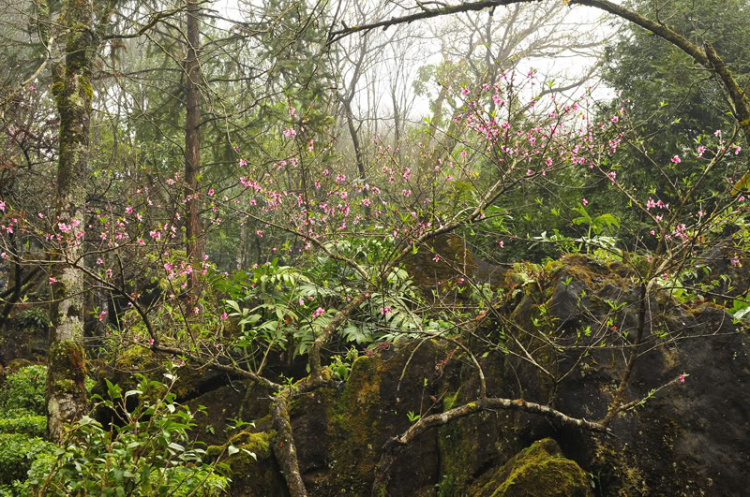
(66, 395)
(242, 246)
(193, 245)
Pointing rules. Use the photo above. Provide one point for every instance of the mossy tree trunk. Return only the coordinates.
(66, 395)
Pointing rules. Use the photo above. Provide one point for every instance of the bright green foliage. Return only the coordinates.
(17, 453)
(280, 307)
(24, 390)
(150, 454)
(23, 422)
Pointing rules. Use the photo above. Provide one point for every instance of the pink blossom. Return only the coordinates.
(584, 202)
(4, 255)
(52, 280)
(224, 316)
(436, 258)
(682, 378)
(128, 210)
(2, 205)
(102, 315)
(319, 312)
(676, 159)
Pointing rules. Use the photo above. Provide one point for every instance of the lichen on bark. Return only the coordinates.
(66, 396)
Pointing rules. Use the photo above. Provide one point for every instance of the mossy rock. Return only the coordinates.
(252, 468)
(141, 360)
(537, 471)
(454, 260)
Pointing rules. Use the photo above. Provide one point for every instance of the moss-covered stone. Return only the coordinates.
(354, 422)
(252, 468)
(140, 359)
(454, 259)
(537, 471)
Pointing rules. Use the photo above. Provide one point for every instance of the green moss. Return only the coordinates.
(58, 88)
(67, 366)
(353, 424)
(537, 471)
(449, 401)
(253, 469)
(257, 443)
(140, 359)
(459, 449)
(84, 85)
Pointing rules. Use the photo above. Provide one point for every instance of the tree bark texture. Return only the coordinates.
(66, 395)
(193, 245)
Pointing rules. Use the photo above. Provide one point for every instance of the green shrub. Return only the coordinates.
(24, 390)
(17, 453)
(24, 422)
(150, 454)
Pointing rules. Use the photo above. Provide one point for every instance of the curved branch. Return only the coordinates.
(705, 56)
(393, 446)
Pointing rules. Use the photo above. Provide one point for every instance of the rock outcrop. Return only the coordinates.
(688, 437)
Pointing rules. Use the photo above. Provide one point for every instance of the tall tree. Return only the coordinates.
(194, 247)
(66, 395)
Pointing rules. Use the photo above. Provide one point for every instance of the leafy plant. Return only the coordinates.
(17, 453)
(25, 390)
(150, 453)
(24, 422)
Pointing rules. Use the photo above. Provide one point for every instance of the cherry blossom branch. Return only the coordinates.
(705, 56)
